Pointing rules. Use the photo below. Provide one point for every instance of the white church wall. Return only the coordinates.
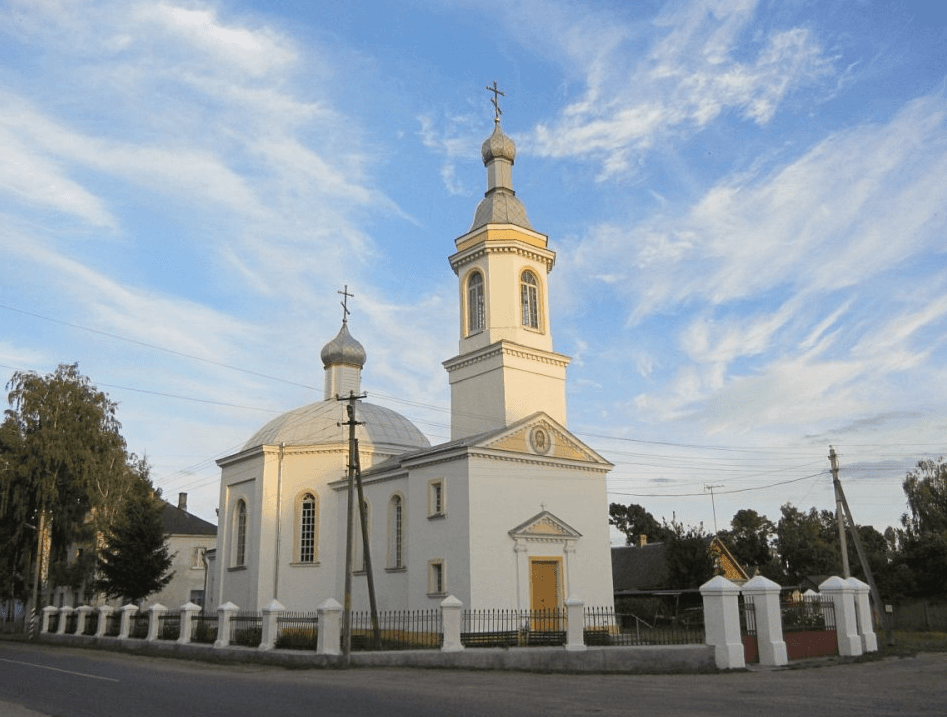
(239, 481)
(504, 495)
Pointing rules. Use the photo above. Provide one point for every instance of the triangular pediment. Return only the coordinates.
(539, 435)
(545, 526)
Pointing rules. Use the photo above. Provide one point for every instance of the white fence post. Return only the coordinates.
(764, 594)
(722, 622)
(450, 622)
(330, 628)
(105, 611)
(842, 596)
(271, 615)
(575, 624)
(188, 611)
(863, 619)
(127, 612)
(224, 613)
(156, 611)
(83, 611)
(47, 613)
(64, 613)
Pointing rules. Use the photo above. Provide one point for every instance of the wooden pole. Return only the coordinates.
(367, 552)
(856, 538)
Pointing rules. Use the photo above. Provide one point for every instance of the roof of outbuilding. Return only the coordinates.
(637, 568)
(179, 522)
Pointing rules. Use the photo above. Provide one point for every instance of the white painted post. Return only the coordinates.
(154, 620)
(866, 628)
(105, 611)
(188, 611)
(127, 612)
(47, 613)
(842, 596)
(769, 620)
(575, 625)
(722, 622)
(271, 615)
(224, 613)
(450, 621)
(84, 611)
(64, 613)
(330, 628)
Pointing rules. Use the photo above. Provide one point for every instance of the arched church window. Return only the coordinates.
(360, 564)
(475, 312)
(240, 534)
(396, 532)
(307, 517)
(529, 298)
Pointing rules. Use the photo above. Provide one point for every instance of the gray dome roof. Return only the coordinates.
(500, 206)
(498, 145)
(343, 349)
(318, 423)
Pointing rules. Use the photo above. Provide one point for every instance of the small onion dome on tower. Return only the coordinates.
(343, 358)
(499, 204)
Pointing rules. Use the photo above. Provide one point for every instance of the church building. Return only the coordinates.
(510, 513)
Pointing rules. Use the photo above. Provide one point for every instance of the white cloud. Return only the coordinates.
(687, 80)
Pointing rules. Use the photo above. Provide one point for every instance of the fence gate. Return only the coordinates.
(751, 651)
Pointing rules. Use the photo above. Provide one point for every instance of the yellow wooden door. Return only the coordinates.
(545, 591)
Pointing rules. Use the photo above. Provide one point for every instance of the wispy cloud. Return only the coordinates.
(689, 77)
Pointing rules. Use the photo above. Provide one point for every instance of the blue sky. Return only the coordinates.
(747, 200)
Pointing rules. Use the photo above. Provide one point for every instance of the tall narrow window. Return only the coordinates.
(240, 534)
(475, 315)
(307, 529)
(396, 535)
(435, 578)
(529, 298)
(435, 498)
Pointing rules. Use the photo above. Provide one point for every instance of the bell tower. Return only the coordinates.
(506, 368)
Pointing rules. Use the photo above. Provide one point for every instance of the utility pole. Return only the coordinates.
(712, 503)
(346, 656)
(366, 547)
(839, 516)
(856, 538)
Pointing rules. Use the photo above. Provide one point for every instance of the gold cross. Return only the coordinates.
(496, 100)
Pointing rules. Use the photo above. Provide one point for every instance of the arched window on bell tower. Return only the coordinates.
(529, 299)
(475, 310)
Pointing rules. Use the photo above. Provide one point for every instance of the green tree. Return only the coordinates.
(134, 563)
(689, 562)
(634, 521)
(923, 548)
(807, 543)
(60, 442)
(751, 540)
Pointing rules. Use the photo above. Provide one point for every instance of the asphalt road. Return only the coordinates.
(44, 680)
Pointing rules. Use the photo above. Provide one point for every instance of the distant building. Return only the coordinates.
(189, 539)
(643, 568)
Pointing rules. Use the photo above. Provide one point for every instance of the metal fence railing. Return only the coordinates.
(169, 626)
(513, 628)
(53, 622)
(91, 623)
(399, 629)
(297, 631)
(246, 629)
(72, 621)
(113, 623)
(204, 629)
(809, 615)
(605, 626)
(138, 627)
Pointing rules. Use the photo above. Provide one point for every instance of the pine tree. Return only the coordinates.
(134, 562)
